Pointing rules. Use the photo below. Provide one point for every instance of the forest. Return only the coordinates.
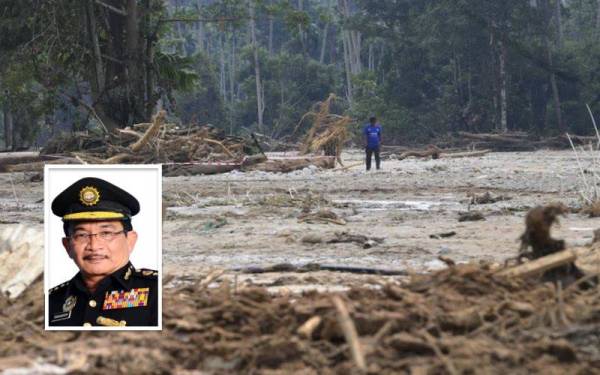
(425, 68)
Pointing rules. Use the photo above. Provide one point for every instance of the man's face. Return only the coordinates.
(95, 255)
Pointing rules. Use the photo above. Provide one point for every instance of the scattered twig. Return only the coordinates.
(214, 275)
(306, 330)
(438, 352)
(350, 333)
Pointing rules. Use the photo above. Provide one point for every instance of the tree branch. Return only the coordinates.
(205, 20)
(112, 8)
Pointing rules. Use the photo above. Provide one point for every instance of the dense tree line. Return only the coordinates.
(424, 67)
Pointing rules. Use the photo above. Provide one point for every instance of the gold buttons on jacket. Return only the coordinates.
(86, 324)
(92, 303)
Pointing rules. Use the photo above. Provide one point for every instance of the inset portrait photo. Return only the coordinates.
(103, 254)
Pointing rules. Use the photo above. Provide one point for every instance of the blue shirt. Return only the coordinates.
(373, 135)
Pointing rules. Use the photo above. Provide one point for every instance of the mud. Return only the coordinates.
(462, 320)
(457, 320)
(238, 220)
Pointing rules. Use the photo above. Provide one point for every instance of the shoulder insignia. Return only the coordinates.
(147, 273)
(58, 287)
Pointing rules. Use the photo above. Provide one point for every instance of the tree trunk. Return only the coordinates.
(271, 22)
(559, 26)
(598, 18)
(199, 30)
(353, 42)
(324, 43)
(222, 79)
(13, 131)
(549, 60)
(232, 64)
(133, 56)
(503, 89)
(91, 21)
(8, 129)
(555, 94)
(301, 32)
(538, 106)
(348, 67)
(259, 91)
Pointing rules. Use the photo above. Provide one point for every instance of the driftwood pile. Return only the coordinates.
(515, 141)
(465, 144)
(471, 318)
(193, 150)
(429, 151)
(156, 142)
(465, 319)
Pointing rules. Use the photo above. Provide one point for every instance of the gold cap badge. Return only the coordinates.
(89, 196)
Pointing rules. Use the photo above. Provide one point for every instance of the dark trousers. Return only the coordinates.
(370, 151)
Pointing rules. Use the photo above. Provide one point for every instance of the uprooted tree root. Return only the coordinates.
(464, 319)
(328, 133)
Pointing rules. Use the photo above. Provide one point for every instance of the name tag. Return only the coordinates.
(61, 316)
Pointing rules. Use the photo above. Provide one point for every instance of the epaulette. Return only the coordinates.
(146, 273)
(52, 290)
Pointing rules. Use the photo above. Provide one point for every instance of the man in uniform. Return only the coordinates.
(372, 133)
(99, 238)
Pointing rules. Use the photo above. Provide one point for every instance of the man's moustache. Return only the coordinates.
(95, 256)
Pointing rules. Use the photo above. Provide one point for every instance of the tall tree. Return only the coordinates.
(260, 105)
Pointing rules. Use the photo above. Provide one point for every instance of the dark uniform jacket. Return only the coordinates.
(128, 297)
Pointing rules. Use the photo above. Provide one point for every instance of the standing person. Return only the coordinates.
(372, 134)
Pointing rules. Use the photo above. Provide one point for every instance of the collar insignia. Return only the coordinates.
(69, 303)
(89, 196)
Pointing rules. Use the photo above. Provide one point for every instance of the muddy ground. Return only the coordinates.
(238, 220)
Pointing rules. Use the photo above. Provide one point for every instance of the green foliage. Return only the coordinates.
(292, 84)
(25, 99)
(176, 72)
(427, 67)
(201, 103)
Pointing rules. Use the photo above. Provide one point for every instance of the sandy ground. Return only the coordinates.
(239, 220)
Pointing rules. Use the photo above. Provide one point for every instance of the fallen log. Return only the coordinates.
(436, 153)
(24, 157)
(464, 154)
(190, 169)
(506, 138)
(431, 151)
(293, 164)
(315, 267)
(38, 166)
(543, 264)
(157, 122)
(253, 159)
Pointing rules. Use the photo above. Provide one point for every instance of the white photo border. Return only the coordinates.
(87, 170)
